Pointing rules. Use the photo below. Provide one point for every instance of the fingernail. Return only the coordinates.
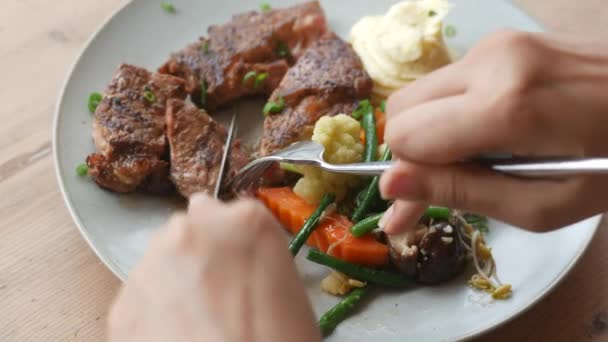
(386, 217)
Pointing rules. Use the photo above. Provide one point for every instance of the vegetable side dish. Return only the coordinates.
(150, 138)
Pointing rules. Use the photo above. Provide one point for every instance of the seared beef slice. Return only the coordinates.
(328, 79)
(129, 131)
(197, 146)
(264, 43)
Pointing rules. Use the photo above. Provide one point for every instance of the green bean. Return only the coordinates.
(442, 213)
(366, 225)
(369, 275)
(340, 311)
(371, 139)
(437, 213)
(363, 107)
(371, 194)
(310, 224)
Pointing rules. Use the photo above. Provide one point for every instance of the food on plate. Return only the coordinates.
(249, 55)
(326, 206)
(330, 320)
(129, 131)
(357, 252)
(150, 137)
(327, 80)
(404, 44)
(339, 135)
(339, 284)
(429, 254)
(197, 146)
(332, 234)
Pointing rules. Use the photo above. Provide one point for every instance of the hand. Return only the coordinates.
(523, 93)
(217, 273)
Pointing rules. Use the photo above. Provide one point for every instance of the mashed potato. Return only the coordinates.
(340, 137)
(402, 45)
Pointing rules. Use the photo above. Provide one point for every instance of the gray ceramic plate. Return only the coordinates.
(117, 227)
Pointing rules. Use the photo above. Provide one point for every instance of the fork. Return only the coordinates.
(311, 153)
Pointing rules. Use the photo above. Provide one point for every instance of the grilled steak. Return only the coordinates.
(197, 145)
(266, 43)
(327, 80)
(129, 131)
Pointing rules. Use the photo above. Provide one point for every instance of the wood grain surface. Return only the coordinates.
(52, 287)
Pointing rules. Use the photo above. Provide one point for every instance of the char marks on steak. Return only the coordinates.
(262, 42)
(327, 80)
(129, 131)
(197, 146)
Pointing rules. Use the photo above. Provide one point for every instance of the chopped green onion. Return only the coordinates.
(168, 7)
(282, 50)
(432, 13)
(149, 96)
(274, 107)
(203, 92)
(248, 76)
(205, 47)
(259, 79)
(383, 106)
(364, 107)
(265, 7)
(82, 170)
(450, 31)
(94, 100)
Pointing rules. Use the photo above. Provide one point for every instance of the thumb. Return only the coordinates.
(518, 201)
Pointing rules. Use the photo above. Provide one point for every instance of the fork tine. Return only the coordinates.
(247, 179)
(253, 174)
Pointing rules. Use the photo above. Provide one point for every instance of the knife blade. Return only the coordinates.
(227, 146)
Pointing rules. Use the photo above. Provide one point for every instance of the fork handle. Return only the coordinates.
(530, 168)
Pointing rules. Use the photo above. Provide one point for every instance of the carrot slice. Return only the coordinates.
(380, 126)
(292, 211)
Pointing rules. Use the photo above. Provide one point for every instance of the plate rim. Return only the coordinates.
(115, 269)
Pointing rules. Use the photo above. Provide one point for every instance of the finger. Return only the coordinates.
(206, 212)
(442, 131)
(199, 201)
(532, 204)
(401, 216)
(444, 82)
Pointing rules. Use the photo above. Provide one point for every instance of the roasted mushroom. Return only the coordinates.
(429, 255)
(403, 249)
(442, 255)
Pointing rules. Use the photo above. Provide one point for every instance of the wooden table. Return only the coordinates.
(52, 287)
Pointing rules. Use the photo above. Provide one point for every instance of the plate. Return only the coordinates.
(117, 227)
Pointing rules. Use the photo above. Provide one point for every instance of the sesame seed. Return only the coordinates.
(447, 239)
(448, 229)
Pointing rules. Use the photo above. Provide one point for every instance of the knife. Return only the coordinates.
(227, 147)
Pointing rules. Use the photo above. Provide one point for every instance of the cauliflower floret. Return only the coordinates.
(340, 137)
